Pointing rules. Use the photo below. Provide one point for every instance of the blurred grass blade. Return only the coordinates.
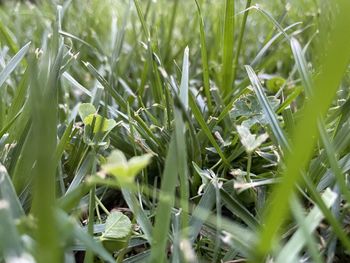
(8, 194)
(8, 38)
(10, 244)
(13, 63)
(44, 109)
(240, 38)
(295, 244)
(204, 55)
(328, 146)
(227, 54)
(77, 233)
(206, 203)
(332, 66)
(166, 202)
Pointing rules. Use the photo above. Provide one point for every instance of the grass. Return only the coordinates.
(190, 131)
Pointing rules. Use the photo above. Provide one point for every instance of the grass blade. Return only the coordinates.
(291, 250)
(166, 202)
(13, 63)
(227, 55)
(267, 109)
(204, 55)
(333, 64)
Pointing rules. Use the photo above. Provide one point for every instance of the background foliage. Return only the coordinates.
(174, 131)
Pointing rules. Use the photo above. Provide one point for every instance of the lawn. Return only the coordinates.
(174, 131)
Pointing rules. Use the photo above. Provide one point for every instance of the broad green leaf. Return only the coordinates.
(248, 107)
(107, 125)
(86, 109)
(118, 226)
(117, 164)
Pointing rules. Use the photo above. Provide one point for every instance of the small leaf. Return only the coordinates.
(137, 163)
(116, 164)
(108, 124)
(118, 226)
(248, 107)
(86, 109)
(250, 141)
(124, 170)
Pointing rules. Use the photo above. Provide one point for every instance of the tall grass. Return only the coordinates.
(190, 131)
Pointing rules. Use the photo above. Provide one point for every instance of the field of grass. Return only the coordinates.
(174, 131)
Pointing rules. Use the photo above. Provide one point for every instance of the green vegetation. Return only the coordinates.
(174, 131)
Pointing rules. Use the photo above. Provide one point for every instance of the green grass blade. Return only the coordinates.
(139, 213)
(204, 55)
(240, 39)
(268, 111)
(11, 249)
(308, 85)
(333, 66)
(238, 209)
(13, 63)
(199, 117)
(294, 245)
(184, 79)
(8, 194)
(166, 202)
(227, 55)
(302, 66)
(206, 203)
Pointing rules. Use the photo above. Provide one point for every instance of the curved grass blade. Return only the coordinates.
(267, 109)
(8, 194)
(329, 148)
(333, 64)
(13, 63)
(294, 245)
